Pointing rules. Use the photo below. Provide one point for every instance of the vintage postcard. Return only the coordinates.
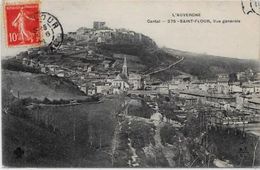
(130, 83)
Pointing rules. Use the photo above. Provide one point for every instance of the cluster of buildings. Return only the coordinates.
(100, 33)
(110, 82)
(222, 102)
(92, 81)
(238, 91)
(242, 93)
(98, 74)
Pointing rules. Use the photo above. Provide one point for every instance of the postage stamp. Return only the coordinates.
(22, 24)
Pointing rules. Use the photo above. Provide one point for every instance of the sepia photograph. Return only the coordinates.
(130, 83)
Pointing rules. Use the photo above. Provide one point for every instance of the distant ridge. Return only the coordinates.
(206, 66)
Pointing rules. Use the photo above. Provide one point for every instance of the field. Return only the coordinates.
(83, 136)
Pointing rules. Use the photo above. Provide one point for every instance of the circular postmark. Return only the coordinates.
(251, 6)
(52, 31)
(255, 6)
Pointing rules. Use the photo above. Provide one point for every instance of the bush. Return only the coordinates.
(46, 101)
(168, 134)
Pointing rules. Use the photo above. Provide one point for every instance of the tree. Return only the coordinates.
(18, 109)
(255, 148)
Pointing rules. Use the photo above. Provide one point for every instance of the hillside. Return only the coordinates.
(207, 66)
(147, 56)
(39, 86)
(153, 58)
(120, 41)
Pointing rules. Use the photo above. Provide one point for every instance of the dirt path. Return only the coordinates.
(166, 150)
(166, 68)
(133, 161)
(115, 141)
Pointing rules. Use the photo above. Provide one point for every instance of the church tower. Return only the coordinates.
(124, 69)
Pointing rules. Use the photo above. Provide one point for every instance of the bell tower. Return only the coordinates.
(124, 68)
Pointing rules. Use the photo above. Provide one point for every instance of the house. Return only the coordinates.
(173, 86)
(257, 76)
(85, 67)
(203, 86)
(103, 88)
(90, 52)
(106, 63)
(83, 30)
(82, 77)
(222, 88)
(71, 34)
(163, 89)
(100, 39)
(25, 61)
(61, 73)
(36, 50)
(99, 25)
(52, 68)
(135, 80)
(91, 91)
(181, 82)
(240, 100)
(32, 63)
(182, 78)
(222, 77)
(254, 103)
(247, 88)
(120, 82)
(43, 69)
(235, 88)
(241, 76)
(115, 63)
(251, 88)
(246, 75)
(157, 117)
(256, 87)
(249, 74)
(110, 78)
(93, 74)
(90, 68)
(84, 88)
(204, 96)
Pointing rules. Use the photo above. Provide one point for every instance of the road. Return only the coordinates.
(115, 139)
(166, 68)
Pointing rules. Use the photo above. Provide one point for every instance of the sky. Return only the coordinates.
(236, 40)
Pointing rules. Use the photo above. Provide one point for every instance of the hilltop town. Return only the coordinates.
(178, 122)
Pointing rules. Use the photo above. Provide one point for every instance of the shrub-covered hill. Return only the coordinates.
(207, 66)
(149, 56)
(39, 86)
